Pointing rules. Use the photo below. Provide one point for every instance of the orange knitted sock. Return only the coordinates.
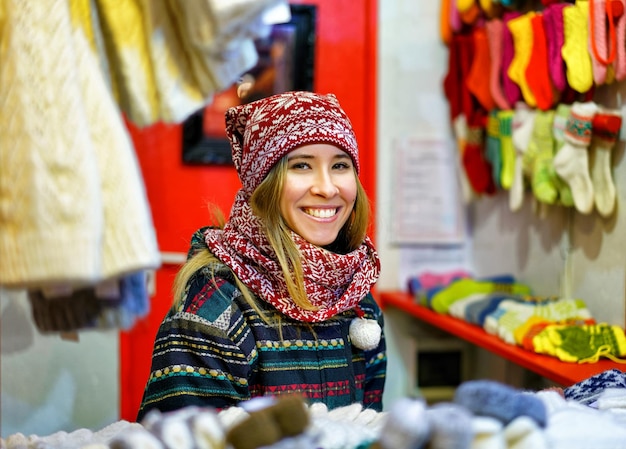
(477, 82)
(445, 28)
(537, 72)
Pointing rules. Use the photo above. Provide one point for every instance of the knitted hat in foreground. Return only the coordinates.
(264, 131)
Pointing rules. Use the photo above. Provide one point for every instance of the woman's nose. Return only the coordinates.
(323, 185)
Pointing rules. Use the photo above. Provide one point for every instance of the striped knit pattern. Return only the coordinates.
(215, 350)
(578, 129)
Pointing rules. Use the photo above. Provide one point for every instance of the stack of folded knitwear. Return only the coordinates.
(506, 308)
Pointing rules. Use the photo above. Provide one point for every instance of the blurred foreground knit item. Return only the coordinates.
(589, 390)
(497, 416)
(499, 401)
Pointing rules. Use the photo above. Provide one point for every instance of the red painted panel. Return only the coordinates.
(345, 64)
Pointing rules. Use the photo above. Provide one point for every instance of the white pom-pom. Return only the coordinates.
(365, 334)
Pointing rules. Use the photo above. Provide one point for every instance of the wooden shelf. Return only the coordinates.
(563, 373)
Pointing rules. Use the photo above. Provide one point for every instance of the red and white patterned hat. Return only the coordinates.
(264, 131)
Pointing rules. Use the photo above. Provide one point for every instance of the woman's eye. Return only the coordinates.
(341, 166)
(299, 166)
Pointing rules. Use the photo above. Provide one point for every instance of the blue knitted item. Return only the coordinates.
(451, 426)
(588, 390)
(476, 312)
(499, 401)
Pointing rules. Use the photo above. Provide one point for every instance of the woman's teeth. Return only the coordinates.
(321, 213)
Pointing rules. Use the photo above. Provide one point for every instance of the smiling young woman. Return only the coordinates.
(277, 301)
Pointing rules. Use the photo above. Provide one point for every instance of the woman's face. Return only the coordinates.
(319, 192)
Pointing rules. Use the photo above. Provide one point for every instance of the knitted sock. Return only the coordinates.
(620, 31)
(491, 8)
(522, 124)
(406, 426)
(451, 426)
(455, 18)
(553, 27)
(462, 288)
(477, 82)
(453, 80)
(460, 133)
(469, 11)
(445, 28)
(542, 147)
(507, 150)
(558, 132)
(494, 399)
(521, 30)
(493, 151)
(589, 390)
(572, 161)
(494, 37)
(537, 72)
(605, 125)
(582, 344)
(476, 166)
(524, 433)
(602, 52)
(575, 53)
(487, 433)
(512, 92)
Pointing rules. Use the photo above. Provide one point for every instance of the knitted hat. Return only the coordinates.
(264, 131)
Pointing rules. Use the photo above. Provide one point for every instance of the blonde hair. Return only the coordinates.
(265, 202)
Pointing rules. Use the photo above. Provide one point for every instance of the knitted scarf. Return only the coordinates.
(334, 282)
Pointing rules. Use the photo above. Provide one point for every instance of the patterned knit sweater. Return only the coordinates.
(215, 350)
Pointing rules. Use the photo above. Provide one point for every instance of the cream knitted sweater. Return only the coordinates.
(72, 203)
(73, 208)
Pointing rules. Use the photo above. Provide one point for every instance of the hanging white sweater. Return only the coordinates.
(73, 207)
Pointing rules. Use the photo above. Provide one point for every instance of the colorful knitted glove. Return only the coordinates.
(583, 343)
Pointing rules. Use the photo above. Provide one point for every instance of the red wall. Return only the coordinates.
(345, 64)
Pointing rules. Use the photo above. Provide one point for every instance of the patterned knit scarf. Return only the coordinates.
(334, 282)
